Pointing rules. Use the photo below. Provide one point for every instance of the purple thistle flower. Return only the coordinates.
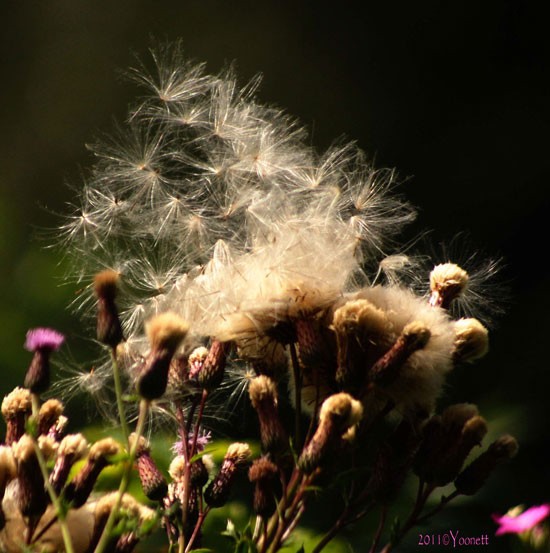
(203, 439)
(43, 339)
(521, 523)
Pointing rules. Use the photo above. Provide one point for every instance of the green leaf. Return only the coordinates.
(301, 550)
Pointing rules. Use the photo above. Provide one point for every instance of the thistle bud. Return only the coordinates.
(413, 338)
(199, 473)
(263, 395)
(217, 492)
(263, 473)
(152, 480)
(361, 329)
(447, 282)
(165, 333)
(49, 414)
(71, 449)
(471, 342)
(16, 408)
(472, 478)
(80, 488)
(212, 371)
(31, 498)
(109, 329)
(42, 342)
(7, 468)
(338, 414)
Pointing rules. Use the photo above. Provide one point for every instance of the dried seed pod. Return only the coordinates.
(16, 408)
(263, 473)
(32, 498)
(263, 395)
(165, 333)
(472, 478)
(72, 448)
(109, 329)
(471, 342)
(48, 415)
(152, 480)
(338, 414)
(211, 373)
(447, 282)
(217, 492)
(80, 488)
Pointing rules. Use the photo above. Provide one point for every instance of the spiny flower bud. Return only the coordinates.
(217, 492)
(49, 414)
(263, 395)
(338, 414)
(71, 449)
(16, 408)
(152, 481)
(165, 333)
(41, 341)
(447, 282)
(472, 478)
(31, 498)
(109, 329)
(413, 338)
(264, 474)
(80, 488)
(361, 328)
(211, 374)
(199, 473)
(471, 342)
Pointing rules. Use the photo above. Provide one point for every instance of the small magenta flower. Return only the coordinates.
(509, 524)
(41, 341)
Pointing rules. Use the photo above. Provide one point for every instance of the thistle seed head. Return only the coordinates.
(447, 282)
(471, 341)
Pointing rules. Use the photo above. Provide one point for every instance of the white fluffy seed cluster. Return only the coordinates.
(209, 203)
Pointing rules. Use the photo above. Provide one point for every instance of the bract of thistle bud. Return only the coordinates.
(109, 328)
(471, 341)
(72, 448)
(153, 483)
(447, 282)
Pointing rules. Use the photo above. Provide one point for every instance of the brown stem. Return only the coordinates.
(380, 529)
(297, 395)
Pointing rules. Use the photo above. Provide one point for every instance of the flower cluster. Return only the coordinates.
(209, 221)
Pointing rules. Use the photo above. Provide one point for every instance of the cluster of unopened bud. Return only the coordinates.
(447, 441)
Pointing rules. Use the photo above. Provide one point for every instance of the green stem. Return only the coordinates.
(125, 480)
(118, 393)
(67, 542)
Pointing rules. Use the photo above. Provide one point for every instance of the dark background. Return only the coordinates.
(452, 94)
